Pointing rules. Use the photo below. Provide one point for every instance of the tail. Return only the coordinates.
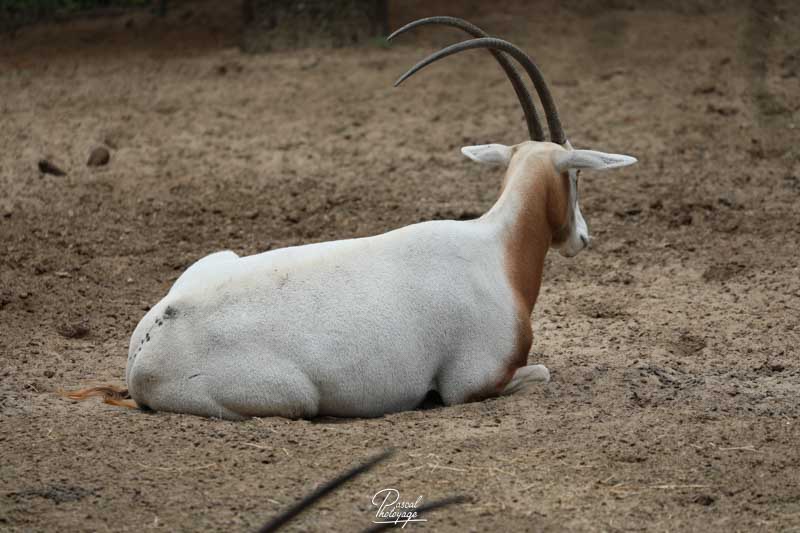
(110, 394)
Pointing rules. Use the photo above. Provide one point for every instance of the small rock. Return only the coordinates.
(6, 208)
(726, 200)
(99, 157)
(704, 499)
(49, 373)
(5, 298)
(74, 331)
(777, 367)
(706, 89)
(610, 74)
(628, 213)
(46, 167)
(725, 111)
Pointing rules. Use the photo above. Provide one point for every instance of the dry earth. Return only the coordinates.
(672, 342)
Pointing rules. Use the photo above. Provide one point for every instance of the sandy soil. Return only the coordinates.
(672, 342)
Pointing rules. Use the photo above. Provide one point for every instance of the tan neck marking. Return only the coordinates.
(526, 210)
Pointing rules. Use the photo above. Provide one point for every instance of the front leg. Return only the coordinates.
(474, 376)
(525, 376)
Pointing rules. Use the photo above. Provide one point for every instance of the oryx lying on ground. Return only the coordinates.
(363, 327)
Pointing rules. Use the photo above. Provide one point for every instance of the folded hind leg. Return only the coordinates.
(525, 376)
(265, 390)
(227, 386)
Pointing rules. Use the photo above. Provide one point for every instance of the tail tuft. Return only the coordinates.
(110, 394)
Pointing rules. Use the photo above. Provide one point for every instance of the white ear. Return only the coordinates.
(490, 154)
(590, 159)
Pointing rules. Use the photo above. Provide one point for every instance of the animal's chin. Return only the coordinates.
(570, 251)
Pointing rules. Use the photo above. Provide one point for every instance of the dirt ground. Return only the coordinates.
(672, 342)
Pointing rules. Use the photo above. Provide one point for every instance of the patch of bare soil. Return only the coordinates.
(672, 342)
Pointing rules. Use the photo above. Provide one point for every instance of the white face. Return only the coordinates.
(565, 159)
(578, 238)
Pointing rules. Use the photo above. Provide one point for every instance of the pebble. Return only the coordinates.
(74, 331)
(46, 167)
(99, 157)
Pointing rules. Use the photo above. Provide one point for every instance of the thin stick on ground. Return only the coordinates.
(326, 488)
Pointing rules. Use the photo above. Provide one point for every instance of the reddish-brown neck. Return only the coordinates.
(524, 212)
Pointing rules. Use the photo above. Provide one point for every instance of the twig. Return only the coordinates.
(278, 521)
(495, 469)
(255, 445)
(631, 488)
(670, 487)
(749, 448)
(454, 469)
(179, 470)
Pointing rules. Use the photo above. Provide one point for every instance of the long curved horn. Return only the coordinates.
(554, 124)
(525, 100)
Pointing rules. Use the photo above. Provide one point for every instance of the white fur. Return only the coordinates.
(579, 238)
(490, 154)
(357, 327)
(571, 160)
(577, 159)
(566, 160)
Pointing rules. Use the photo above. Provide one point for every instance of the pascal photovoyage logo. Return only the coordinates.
(391, 509)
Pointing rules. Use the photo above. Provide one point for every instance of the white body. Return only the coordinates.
(357, 327)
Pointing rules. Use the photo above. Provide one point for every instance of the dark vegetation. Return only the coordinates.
(15, 13)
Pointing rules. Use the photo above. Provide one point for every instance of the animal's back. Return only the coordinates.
(359, 327)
